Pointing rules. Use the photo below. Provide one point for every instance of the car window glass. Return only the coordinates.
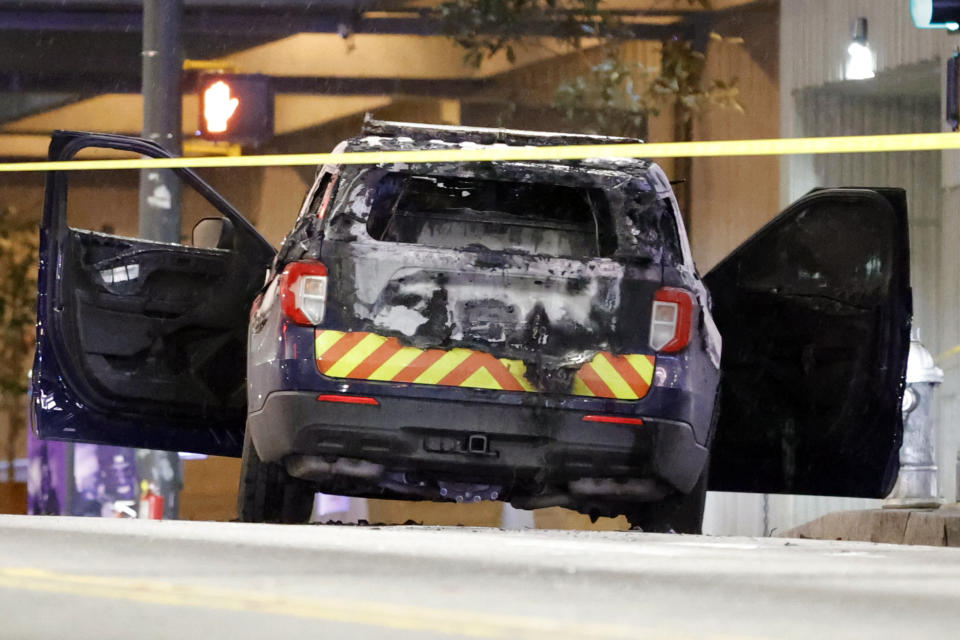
(653, 229)
(800, 257)
(109, 201)
(455, 213)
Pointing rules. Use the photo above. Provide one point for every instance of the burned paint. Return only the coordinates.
(549, 263)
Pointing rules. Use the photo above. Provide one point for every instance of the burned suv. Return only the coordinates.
(533, 332)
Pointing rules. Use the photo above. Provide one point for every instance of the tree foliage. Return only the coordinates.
(18, 290)
(616, 96)
(484, 28)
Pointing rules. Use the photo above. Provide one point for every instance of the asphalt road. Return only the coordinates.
(69, 578)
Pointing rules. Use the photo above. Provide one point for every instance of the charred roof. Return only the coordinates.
(483, 135)
(379, 135)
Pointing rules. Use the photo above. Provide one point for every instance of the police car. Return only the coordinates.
(533, 332)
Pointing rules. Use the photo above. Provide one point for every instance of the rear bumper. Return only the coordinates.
(526, 446)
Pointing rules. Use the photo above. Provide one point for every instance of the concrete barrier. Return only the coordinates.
(934, 527)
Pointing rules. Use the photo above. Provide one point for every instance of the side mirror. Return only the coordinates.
(213, 233)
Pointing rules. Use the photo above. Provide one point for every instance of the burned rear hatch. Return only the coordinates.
(547, 265)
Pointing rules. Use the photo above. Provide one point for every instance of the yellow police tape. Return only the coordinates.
(947, 354)
(717, 148)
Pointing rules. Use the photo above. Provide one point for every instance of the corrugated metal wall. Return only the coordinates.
(831, 111)
(948, 402)
(815, 35)
(815, 101)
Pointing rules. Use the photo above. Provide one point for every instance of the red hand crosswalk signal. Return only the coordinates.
(236, 108)
(218, 106)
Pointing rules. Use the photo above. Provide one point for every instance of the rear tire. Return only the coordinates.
(677, 513)
(268, 493)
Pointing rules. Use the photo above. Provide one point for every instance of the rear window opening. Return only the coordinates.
(460, 213)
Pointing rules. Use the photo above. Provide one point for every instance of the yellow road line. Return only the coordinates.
(340, 610)
(716, 148)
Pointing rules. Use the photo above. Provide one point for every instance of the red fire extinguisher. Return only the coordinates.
(151, 503)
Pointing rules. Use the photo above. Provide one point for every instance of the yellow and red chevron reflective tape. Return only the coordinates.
(622, 377)
(367, 356)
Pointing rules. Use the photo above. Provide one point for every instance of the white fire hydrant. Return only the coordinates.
(916, 485)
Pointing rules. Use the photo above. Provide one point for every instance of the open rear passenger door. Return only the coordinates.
(142, 343)
(815, 314)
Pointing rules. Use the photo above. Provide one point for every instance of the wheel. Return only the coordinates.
(268, 493)
(678, 513)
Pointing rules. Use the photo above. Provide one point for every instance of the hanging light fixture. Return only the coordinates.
(861, 63)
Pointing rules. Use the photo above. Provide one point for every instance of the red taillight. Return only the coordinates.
(671, 319)
(613, 419)
(303, 292)
(348, 399)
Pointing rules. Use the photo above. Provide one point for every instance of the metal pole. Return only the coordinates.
(160, 190)
(162, 117)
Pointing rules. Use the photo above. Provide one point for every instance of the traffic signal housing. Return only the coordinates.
(936, 14)
(236, 108)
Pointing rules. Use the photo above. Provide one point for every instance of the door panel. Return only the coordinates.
(814, 311)
(142, 343)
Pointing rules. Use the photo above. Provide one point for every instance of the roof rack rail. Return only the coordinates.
(482, 135)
